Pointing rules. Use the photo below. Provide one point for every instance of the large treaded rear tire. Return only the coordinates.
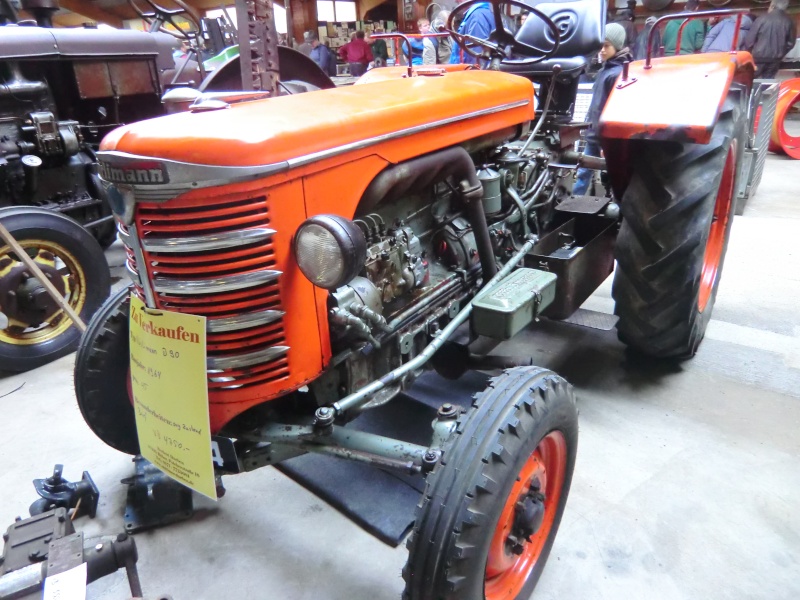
(524, 413)
(665, 283)
(101, 375)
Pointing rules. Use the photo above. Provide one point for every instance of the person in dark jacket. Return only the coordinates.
(379, 50)
(479, 23)
(640, 48)
(770, 38)
(613, 54)
(720, 37)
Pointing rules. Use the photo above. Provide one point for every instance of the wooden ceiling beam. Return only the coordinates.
(95, 13)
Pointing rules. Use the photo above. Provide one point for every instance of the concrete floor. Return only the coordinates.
(687, 483)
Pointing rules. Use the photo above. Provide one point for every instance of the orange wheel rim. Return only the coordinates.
(506, 570)
(719, 226)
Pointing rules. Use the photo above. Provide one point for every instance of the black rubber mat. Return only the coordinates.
(383, 502)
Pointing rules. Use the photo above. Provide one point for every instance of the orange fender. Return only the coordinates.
(779, 140)
(678, 98)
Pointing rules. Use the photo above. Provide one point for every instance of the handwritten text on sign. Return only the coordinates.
(170, 394)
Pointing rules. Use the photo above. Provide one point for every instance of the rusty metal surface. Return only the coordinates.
(131, 77)
(93, 79)
(256, 26)
(106, 79)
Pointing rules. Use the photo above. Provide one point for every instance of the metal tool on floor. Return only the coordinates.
(154, 499)
(47, 544)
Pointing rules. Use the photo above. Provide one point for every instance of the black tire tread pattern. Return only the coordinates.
(101, 371)
(461, 493)
(667, 211)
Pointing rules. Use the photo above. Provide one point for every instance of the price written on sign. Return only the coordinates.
(170, 394)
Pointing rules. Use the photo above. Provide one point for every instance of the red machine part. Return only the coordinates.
(780, 141)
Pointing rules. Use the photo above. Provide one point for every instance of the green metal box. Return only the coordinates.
(502, 312)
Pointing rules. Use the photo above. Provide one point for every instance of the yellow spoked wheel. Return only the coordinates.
(33, 328)
(31, 315)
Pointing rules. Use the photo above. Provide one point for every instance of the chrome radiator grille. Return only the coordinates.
(216, 260)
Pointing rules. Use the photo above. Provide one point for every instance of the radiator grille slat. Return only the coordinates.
(241, 339)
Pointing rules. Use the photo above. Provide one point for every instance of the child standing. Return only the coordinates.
(613, 54)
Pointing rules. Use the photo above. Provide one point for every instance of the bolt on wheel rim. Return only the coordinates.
(68, 276)
(511, 559)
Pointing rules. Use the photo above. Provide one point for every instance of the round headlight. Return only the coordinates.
(330, 250)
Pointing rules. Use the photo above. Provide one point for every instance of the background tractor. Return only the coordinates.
(414, 222)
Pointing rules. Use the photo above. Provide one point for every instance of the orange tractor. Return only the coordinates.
(341, 241)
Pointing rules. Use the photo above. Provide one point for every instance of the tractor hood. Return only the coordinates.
(28, 42)
(290, 131)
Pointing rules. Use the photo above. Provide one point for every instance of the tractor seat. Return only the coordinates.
(581, 24)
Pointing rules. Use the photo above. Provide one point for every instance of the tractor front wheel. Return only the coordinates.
(102, 375)
(676, 219)
(492, 506)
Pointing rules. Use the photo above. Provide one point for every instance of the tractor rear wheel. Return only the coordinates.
(102, 375)
(492, 506)
(34, 330)
(676, 218)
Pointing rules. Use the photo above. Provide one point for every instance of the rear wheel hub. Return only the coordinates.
(28, 315)
(25, 299)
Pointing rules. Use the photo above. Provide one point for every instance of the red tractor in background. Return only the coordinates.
(341, 241)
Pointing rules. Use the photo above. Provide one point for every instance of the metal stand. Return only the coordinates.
(154, 499)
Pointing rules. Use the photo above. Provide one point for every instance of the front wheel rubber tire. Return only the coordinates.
(102, 375)
(85, 262)
(677, 213)
(523, 428)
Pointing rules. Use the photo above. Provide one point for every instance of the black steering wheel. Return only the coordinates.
(163, 15)
(501, 43)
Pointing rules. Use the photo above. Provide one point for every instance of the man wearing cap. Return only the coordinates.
(613, 54)
(640, 48)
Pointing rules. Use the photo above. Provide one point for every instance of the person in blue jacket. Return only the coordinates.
(423, 50)
(720, 37)
(478, 23)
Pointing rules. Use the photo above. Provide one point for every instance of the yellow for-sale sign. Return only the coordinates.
(170, 394)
